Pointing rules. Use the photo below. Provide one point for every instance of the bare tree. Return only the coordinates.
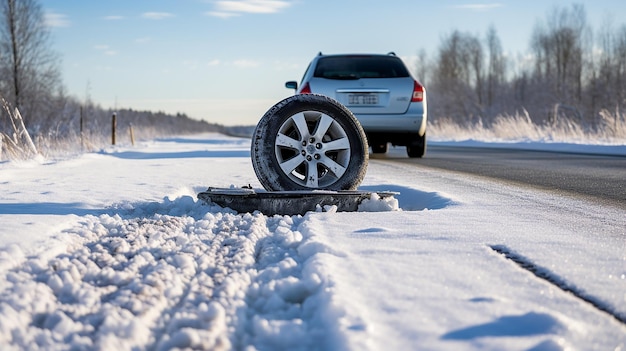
(559, 50)
(475, 58)
(496, 67)
(608, 80)
(30, 74)
(459, 77)
(620, 67)
(565, 76)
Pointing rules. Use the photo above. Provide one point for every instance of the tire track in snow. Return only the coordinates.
(153, 282)
(176, 274)
(557, 281)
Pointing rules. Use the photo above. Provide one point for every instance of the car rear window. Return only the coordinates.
(355, 67)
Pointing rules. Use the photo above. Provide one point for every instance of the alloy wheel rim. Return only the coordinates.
(312, 149)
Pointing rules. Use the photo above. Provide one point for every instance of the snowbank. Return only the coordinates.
(113, 251)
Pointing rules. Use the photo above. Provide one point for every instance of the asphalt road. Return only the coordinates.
(597, 178)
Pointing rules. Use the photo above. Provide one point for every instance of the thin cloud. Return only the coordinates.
(157, 15)
(113, 18)
(479, 7)
(105, 49)
(231, 8)
(56, 20)
(286, 66)
(224, 15)
(212, 63)
(245, 63)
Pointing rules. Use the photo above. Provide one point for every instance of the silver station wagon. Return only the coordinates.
(381, 93)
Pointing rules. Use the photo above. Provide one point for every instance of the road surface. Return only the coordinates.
(597, 178)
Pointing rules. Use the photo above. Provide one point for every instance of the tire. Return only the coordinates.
(309, 141)
(379, 148)
(417, 148)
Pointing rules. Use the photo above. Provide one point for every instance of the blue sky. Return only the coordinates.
(226, 61)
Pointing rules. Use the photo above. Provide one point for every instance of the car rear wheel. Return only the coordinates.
(417, 147)
(309, 141)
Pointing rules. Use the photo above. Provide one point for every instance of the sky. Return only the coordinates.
(226, 61)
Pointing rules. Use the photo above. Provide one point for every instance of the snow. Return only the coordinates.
(112, 250)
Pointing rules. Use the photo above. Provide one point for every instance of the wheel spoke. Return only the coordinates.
(322, 126)
(288, 142)
(339, 144)
(334, 167)
(312, 181)
(300, 122)
(291, 164)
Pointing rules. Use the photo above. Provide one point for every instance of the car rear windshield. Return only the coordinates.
(355, 67)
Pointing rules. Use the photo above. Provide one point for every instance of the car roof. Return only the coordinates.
(320, 54)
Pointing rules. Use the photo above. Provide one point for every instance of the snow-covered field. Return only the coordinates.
(112, 251)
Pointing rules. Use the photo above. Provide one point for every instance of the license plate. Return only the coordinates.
(362, 99)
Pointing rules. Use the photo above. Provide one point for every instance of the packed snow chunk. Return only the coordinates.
(178, 340)
(10, 256)
(55, 283)
(288, 237)
(60, 323)
(11, 319)
(292, 290)
(194, 339)
(313, 276)
(185, 263)
(181, 205)
(120, 330)
(376, 203)
(326, 208)
(280, 334)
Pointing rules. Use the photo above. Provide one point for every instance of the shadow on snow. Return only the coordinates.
(48, 208)
(411, 199)
(233, 141)
(135, 155)
(525, 325)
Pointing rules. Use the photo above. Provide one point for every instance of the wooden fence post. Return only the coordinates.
(113, 128)
(132, 135)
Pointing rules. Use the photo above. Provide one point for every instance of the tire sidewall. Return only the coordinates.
(265, 163)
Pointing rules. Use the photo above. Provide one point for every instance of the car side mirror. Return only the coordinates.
(292, 84)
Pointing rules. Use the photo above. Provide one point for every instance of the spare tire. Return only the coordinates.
(307, 142)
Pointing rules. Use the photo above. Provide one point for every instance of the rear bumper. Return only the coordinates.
(401, 129)
(412, 122)
(392, 123)
(402, 124)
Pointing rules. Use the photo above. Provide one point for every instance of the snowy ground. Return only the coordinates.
(111, 250)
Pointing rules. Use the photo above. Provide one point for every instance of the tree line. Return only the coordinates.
(30, 80)
(569, 72)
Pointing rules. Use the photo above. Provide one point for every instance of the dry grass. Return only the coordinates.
(611, 130)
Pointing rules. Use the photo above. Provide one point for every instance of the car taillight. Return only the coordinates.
(306, 89)
(418, 92)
